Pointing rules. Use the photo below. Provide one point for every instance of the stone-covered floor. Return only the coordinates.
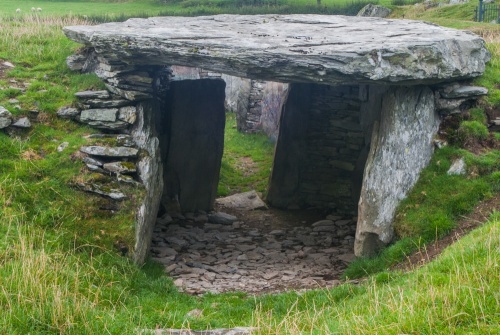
(264, 251)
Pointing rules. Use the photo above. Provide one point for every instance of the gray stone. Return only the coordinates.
(325, 228)
(127, 114)
(100, 114)
(372, 10)
(311, 48)
(92, 161)
(464, 92)
(120, 167)
(242, 201)
(76, 62)
(402, 145)
(458, 167)
(112, 193)
(5, 118)
(323, 223)
(62, 146)
(8, 64)
(109, 151)
(97, 103)
(23, 122)
(92, 95)
(125, 140)
(68, 112)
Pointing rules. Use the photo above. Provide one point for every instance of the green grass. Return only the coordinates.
(247, 160)
(60, 273)
(121, 10)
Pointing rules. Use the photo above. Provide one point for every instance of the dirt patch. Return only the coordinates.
(247, 166)
(466, 224)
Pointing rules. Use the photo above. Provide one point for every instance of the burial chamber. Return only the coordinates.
(356, 129)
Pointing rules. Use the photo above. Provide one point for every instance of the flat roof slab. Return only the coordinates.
(294, 48)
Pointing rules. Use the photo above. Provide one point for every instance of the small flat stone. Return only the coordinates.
(5, 118)
(62, 146)
(98, 114)
(109, 151)
(323, 223)
(324, 228)
(270, 275)
(221, 218)
(92, 161)
(92, 94)
(23, 122)
(120, 167)
(458, 167)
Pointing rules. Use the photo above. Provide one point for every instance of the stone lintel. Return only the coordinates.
(294, 48)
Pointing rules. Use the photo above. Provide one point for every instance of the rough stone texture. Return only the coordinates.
(104, 115)
(242, 201)
(195, 125)
(96, 150)
(68, 112)
(463, 92)
(149, 169)
(112, 193)
(5, 118)
(401, 147)
(23, 122)
(322, 147)
(221, 218)
(251, 255)
(294, 48)
(372, 10)
(458, 167)
(259, 106)
(233, 89)
(120, 167)
(92, 95)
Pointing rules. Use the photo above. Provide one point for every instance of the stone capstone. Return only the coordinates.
(372, 10)
(291, 48)
(5, 118)
(109, 151)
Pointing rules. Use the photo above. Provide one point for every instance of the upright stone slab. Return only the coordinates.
(195, 109)
(150, 171)
(401, 147)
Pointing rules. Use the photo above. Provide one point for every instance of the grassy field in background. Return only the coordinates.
(61, 274)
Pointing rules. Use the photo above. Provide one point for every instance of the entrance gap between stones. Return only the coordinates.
(305, 244)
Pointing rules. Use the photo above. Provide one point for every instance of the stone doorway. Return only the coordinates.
(305, 244)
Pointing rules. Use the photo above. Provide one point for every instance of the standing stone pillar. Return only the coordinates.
(290, 149)
(195, 130)
(401, 147)
(150, 171)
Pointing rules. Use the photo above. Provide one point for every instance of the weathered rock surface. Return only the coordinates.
(372, 10)
(294, 48)
(96, 150)
(112, 193)
(218, 331)
(5, 118)
(68, 112)
(243, 201)
(458, 167)
(120, 167)
(23, 122)
(402, 145)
